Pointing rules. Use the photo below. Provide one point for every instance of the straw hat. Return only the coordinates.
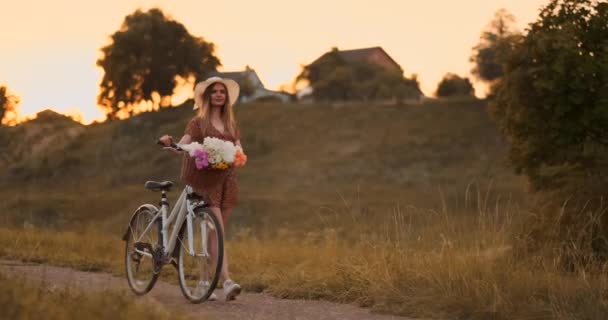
(231, 86)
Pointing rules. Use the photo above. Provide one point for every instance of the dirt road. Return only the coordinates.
(247, 306)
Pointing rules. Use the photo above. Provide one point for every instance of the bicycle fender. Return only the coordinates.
(143, 206)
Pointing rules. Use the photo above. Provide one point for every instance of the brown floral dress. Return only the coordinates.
(217, 187)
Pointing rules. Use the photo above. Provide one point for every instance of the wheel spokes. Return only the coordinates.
(197, 268)
(141, 243)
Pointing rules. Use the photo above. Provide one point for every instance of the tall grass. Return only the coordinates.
(21, 299)
(427, 263)
(437, 263)
(82, 251)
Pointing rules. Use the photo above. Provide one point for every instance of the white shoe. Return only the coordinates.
(231, 290)
(202, 287)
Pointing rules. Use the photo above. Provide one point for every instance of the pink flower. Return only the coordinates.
(201, 158)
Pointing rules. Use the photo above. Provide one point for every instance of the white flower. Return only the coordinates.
(191, 147)
(228, 151)
(214, 148)
(218, 150)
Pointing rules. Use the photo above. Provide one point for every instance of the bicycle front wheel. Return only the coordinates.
(200, 256)
(143, 241)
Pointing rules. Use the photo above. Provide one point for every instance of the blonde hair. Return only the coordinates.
(227, 113)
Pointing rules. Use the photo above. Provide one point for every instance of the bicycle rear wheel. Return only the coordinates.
(141, 247)
(200, 258)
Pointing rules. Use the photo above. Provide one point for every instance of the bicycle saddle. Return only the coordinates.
(158, 186)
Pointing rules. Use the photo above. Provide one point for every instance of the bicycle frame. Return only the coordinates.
(183, 210)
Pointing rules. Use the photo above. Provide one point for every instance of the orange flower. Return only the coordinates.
(240, 158)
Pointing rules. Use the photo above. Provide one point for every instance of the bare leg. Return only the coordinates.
(224, 274)
(225, 216)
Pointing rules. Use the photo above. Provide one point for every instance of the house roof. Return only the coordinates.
(356, 55)
(235, 75)
(238, 76)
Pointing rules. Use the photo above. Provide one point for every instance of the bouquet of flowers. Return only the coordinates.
(215, 153)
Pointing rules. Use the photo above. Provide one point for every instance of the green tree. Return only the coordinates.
(552, 102)
(328, 77)
(8, 107)
(453, 85)
(372, 82)
(144, 58)
(494, 44)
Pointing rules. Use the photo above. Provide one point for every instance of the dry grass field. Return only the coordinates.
(405, 209)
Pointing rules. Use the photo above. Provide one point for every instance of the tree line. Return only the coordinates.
(8, 107)
(151, 53)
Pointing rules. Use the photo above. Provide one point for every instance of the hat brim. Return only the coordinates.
(231, 85)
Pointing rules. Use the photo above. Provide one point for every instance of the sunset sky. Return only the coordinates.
(48, 57)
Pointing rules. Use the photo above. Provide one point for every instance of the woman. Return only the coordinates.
(214, 98)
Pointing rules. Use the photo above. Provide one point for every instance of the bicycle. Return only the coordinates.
(195, 245)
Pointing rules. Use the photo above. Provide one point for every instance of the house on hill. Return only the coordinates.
(252, 87)
(370, 56)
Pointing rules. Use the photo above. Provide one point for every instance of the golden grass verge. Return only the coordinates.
(20, 299)
(419, 263)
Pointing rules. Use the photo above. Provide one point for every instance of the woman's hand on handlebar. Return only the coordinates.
(165, 140)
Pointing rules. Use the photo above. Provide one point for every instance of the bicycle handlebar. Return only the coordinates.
(172, 145)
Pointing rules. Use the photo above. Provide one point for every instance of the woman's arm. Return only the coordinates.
(167, 140)
(237, 135)
(185, 139)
